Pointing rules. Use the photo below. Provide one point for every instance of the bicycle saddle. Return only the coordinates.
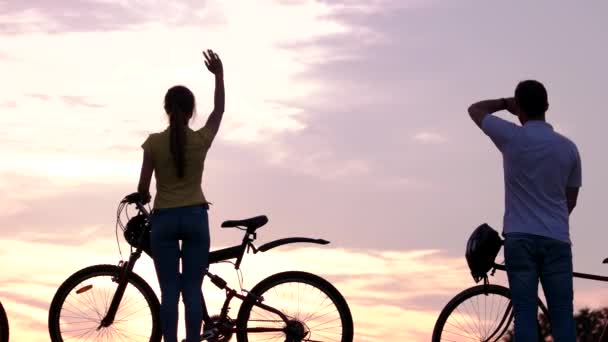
(251, 223)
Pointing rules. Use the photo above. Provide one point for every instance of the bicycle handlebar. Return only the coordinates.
(137, 199)
(134, 198)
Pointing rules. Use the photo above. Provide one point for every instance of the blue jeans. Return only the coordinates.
(191, 226)
(528, 259)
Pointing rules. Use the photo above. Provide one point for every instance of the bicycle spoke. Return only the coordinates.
(300, 302)
(82, 312)
(478, 318)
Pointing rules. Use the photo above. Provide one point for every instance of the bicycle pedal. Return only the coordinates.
(209, 335)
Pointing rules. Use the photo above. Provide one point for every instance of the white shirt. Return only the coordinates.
(539, 164)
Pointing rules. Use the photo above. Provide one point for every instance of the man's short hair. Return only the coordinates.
(531, 97)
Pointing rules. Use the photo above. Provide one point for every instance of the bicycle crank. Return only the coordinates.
(218, 331)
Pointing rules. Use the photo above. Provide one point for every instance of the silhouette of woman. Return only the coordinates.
(176, 156)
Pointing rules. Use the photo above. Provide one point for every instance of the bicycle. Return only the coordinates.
(462, 320)
(113, 303)
(4, 331)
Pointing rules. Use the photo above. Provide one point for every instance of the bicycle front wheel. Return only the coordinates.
(3, 325)
(316, 311)
(82, 301)
(481, 313)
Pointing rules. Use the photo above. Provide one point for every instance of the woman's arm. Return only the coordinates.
(145, 177)
(214, 64)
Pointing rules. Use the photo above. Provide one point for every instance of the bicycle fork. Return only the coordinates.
(125, 270)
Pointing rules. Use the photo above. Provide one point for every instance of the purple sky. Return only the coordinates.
(345, 120)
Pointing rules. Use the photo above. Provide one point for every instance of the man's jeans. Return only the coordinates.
(528, 259)
(191, 226)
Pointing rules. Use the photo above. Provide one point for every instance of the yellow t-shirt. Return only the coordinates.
(172, 191)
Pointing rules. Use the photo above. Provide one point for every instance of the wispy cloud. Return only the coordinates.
(19, 17)
(323, 165)
(74, 100)
(9, 104)
(39, 96)
(428, 137)
(7, 57)
(71, 100)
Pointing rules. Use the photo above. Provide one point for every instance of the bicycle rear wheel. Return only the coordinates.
(3, 325)
(82, 301)
(315, 308)
(481, 313)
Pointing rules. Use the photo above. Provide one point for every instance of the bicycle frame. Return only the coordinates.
(235, 252)
(231, 293)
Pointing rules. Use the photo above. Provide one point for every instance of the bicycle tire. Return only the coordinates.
(102, 271)
(4, 328)
(485, 290)
(314, 281)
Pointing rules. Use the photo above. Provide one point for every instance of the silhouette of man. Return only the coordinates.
(542, 176)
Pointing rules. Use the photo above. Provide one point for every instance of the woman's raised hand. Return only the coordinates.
(213, 62)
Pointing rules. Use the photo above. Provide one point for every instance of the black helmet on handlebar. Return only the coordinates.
(482, 248)
(137, 233)
(137, 230)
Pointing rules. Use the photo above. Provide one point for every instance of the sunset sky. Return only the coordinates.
(345, 120)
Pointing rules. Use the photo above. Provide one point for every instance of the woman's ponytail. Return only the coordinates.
(177, 134)
(179, 105)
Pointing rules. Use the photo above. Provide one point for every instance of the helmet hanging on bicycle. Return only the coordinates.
(137, 233)
(482, 248)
